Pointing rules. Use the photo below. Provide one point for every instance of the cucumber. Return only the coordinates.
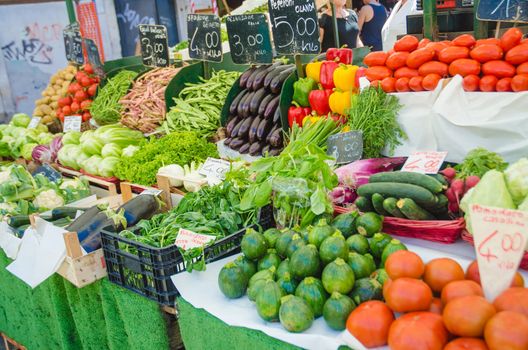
(389, 204)
(377, 203)
(441, 206)
(413, 211)
(407, 177)
(440, 178)
(399, 190)
(364, 204)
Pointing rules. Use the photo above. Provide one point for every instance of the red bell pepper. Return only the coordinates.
(319, 101)
(342, 55)
(326, 77)
(296, 114)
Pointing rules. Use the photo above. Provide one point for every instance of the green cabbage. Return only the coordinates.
(20, 119)
(107, 166)
(118, 134)
(129, 151)
(27, 149)
(68, 155)
(45, 138)
(91, 165)
(42, 128)
(111, 150)
(86, 135)
(524, 205)
(92, 146)
(517, 180)
(71, 138)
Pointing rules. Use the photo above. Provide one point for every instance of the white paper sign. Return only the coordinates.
(187, 239)
(427, 162)
(151, 191)
(363, 83)
(35, 121)
(72, 123)
(500, 237)
(214, 167)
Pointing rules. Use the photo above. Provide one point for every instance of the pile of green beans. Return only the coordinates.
(106, 109)
(198, 106)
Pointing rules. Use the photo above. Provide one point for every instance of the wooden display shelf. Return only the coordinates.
(128, 190)
(164, 184)
(111, 187)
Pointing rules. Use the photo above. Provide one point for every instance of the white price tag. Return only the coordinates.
(187, 239)
(428, 162)
(500, 237)
(363, 83)
(215, 168)
(72, 123)
(35, 121)
(152, 191)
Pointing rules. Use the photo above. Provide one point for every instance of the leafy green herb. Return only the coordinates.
(479, 161)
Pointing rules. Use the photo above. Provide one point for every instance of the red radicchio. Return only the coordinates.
(47, 154)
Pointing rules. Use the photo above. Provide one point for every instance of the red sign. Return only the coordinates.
(500, 239)
(427, 162)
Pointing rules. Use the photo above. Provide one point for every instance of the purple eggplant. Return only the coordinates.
(271, 107)
(271, 133)
(264, 103)
(244, 78)
(244, 128)
(253, 130)
(274, 152)
(256, 100)
(231, 125)
(227, 141)
(255, 148)
(234, 104)
(277, 116)
(264, 128)
(276, 84)
(253, 75)
(235, 144)
(265, 149)
(276, 138)
(236, 129)
(244, 148)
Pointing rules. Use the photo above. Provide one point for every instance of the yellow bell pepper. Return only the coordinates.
(313, 70)
(345, 77)
(340, 101)
(310, 119)
(346, 128)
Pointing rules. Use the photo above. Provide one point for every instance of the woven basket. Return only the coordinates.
(466, 236)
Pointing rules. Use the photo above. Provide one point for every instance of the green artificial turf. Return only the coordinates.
(57, 315)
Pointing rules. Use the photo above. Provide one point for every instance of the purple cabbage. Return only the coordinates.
(47, 154)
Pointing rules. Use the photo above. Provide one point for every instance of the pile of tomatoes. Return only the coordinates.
(80, 94)
(442, 308)
(485, 64)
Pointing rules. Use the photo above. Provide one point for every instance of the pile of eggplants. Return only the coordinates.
(254, 125)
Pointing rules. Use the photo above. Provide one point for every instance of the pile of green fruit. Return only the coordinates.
(297, 275)
(405, 195)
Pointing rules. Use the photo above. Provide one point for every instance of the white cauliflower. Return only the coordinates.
(48, 199)
(5, 176)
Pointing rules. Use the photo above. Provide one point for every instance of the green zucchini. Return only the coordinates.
(413, 211)
(377, 203)
(440, 178)
(389, 204)
(407, 177)
(18, 220)
(399, 190)
(363, 204)
(65, 212)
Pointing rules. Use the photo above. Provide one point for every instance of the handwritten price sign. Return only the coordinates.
(215, 168)
(500, 238)
(187, 239)
(424, 162)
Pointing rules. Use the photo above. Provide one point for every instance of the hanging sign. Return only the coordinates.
(428, 162)
(72, 123)
(345, 147)
(73, 44)
(500, 238)
(295, 26)
(93, 54)
(205, 37)
(249, 38)
(154, 46)
(49, 172)
(503, 10)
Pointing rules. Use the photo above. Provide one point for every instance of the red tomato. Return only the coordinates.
(370, 323)
(66, 110)
(435, 67)
(86, 116)
(80, 75)
(415, 83)
(467, 316)
(520, 82)
(88, 68)
(376, 58)
(419, 57)
(437, 47)
(75, 107)
(451, 53)
(74, 87)
(513, 299)
(465, 40)
(405, 72)
(86, 104)
(430, 81)
(80, 96)
(504, 85)
(408, 294)
(397, 60)
(471, 82)
(92, 90)
(507, 330)
(377, 73)
(64, 101)
(518, 54)
(60, 116)
(464, 66)
(500, 69)
(402, 85)
(418, 330)
(466, 344)
(488, 83)
(511, 38)
(387, 84)
(423, 43)
(407, 43)
(485, 53)
(493, 41)
(375, 83)
(523, 68)
(85, 82)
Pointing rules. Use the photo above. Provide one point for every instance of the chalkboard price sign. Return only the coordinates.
(249, 38)
(345, 147)
(206, 41)
(73, 44)
(154, 46)
(503, 10)
(93, 56)
(295, 27)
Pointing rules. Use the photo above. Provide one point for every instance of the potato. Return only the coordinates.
(47, 119)
(59, 81)
(46, 109)
(55, 98)
(65, 84)
(37, 112)
(54, 104)
(68, 77)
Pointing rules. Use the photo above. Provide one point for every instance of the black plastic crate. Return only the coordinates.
(148, 271)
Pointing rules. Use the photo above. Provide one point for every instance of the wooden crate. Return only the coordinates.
(10, 344)
(164, 184)
(111, 187)
(128, 190)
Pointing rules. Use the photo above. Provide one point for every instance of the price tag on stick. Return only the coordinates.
(295, 26)
(424, 162)
(205, 37)
(151, 191)
(345, 147)
(249, 38)
(72, 123)
(34, 122)
(215, 168)
(187, 239)
(500, 238)
(93, 56)
(73, 44)
(154, 46)
(503, 10)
